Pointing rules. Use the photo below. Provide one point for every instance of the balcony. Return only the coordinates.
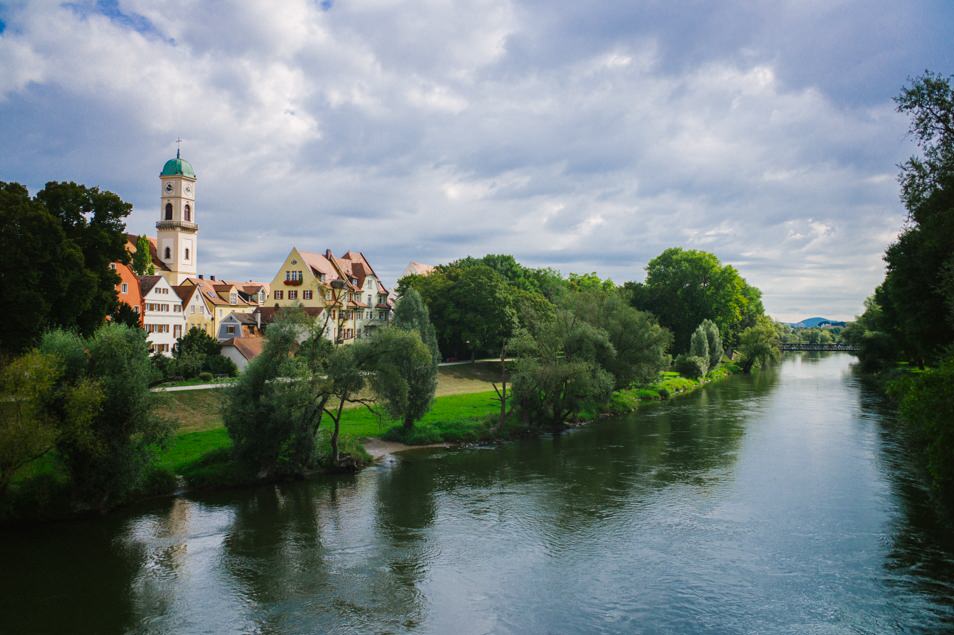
(173, 224)
(293, 283)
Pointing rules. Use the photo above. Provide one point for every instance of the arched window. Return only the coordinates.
(188, 213)
(168, 211)
(168, 253)
(187, 253)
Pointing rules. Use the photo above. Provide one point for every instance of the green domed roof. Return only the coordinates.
(176, 167)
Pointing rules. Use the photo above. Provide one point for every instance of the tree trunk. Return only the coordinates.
(408, 423)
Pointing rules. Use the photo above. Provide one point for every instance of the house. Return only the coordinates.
(238, 325)
(346, 287)
(163, 318)
(221, 298)
(242, 350)
(194, 308)
(128, 290)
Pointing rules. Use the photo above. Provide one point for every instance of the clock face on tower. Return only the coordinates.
(169, 187)
(188, 189)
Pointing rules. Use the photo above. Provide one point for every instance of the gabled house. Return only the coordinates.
(194, 308)
(238, 325)
(242, 350)
(163, 319)
(354, 298)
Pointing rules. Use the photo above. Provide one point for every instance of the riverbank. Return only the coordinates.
(199, 455)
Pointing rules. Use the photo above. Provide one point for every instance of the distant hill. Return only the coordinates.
(815, 322)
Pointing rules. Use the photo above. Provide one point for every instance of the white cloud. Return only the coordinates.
(439, 129)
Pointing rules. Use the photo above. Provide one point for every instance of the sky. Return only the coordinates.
(584, 136)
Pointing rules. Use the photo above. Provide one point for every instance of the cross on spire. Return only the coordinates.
(178, 141)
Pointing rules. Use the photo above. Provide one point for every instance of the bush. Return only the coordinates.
(691, 366)
(206, 376)
(221, 365)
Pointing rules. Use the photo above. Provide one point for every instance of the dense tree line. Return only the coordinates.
(910, 317)
(55, 254)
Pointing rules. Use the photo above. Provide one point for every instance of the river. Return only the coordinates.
(781, 502)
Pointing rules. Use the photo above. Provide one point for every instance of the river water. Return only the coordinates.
(780, 503)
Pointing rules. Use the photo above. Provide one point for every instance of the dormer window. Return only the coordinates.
(188, 215)
(168, 212)
(233, 298)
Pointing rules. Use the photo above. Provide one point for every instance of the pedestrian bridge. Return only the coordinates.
(820, 347)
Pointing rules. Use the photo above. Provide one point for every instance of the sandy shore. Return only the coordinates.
(379, 448)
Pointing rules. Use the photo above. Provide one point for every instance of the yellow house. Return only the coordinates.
(221, 298)
(196, 311)
(338, 286)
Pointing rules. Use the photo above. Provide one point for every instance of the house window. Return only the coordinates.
(279, 294)
(292, 295)
(306, 294)
(177, 331)
(192, 309)
(188, 215)
(233, 298)
(230, 330)
(125, 288)
(168, 211)
(168, 253)
(261, 297)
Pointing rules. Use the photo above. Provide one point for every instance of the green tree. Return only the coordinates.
(42, 273)
(420, 377)
(683, 287)
(107, 376)
(914, 296)
(142, 263)
(560, 371)
(273, 412)
(699, 347)
(404, 377)
(759, 345)
(638, 339)
(94, 221)
(27, 431)
(714, 341)
(472, 307)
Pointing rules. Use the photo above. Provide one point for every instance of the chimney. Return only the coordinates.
(211, 277)
(201, 276)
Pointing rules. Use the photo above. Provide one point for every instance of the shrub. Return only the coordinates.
(691, 366)
(206, 376)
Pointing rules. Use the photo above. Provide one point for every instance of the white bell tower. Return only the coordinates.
(177, 232)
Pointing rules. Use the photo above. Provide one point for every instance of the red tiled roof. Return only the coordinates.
(248, 347)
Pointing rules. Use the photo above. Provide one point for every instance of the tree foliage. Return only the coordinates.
(714, 342)
(759, 345)
(107, 427)
(699, 347)
(142, 264)
(683, 287)
(560, 371)
(409, 380)
(55, 252)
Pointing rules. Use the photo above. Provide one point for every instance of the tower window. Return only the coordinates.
(168, 253)
(168, 211)
(188, 215)
(187, 253)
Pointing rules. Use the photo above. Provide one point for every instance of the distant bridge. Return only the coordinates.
(850, 348)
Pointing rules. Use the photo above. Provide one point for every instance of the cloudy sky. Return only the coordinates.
(587, 136)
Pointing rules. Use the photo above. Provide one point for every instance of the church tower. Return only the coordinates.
(178, 233)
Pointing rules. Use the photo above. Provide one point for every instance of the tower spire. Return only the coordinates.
(178, 142)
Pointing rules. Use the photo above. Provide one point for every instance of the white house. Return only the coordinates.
(163, 318)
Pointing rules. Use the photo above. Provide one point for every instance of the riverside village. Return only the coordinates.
(491, 317)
